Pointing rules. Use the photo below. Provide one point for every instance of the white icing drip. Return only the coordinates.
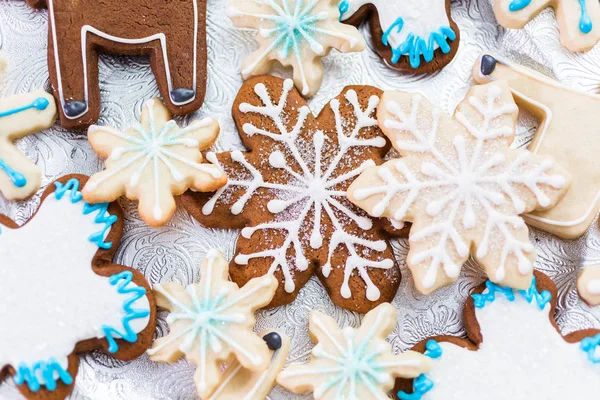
(90, 29)
(522, 357)
(421, 18)
(210, 318)
(288, 26)
(309, 189)
(467, 177)
(151, 149)
(51, 296)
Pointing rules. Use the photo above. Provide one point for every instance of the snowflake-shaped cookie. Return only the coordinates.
(514, 351)
(63, 295)
(296, 33)
(153, 161)
(578, 20)
(21, 115)
(288, 193)
(461, 186)
(353, 363)
(211, 322)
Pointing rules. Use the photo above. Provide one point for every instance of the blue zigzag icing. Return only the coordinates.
(51, 371)
(122, 281)
(591, 345)
(416, 46)
(542, 298)
(102, 216)
(422, 384)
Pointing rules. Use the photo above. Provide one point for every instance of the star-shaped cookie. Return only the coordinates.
(288, 193)
(211, 322)
(153, 161)
(460, 185)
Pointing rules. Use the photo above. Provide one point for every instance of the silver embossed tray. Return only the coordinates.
(173, 253)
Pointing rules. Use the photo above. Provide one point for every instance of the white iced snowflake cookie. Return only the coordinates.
(295, 33)
(153, 161)
(588, 284)
(578, 20)
(350, 363)
(408, 34)
(288, 193)
(21, 115)
(514, 351)
(62, 295)
(211, 323)
(460, 185)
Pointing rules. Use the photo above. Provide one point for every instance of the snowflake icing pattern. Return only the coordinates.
(212, 320)
(353, 363)
(459, 183)
(296, 33)
(298, 178)
(152, 161)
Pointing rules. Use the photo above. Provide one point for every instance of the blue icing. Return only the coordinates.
(482, 299)
(122, 281)
(17, 178)
(52, 372)
(344, 6)
(422, 384)
(417, 46)
(517, 5)
(591, 345)
(102, 216)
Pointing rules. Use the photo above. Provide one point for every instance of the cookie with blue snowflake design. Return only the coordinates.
(63, 296)
(515, 350)
(417, 36)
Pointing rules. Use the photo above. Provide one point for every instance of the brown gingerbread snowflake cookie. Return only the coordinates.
(66, 296)
(288, 193)
(514, 350)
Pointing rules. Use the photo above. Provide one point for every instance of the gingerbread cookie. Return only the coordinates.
(296, 33)
(588, 284)
(21, 115)
(566, 133)
(460, 185)
(171, 33)
(579, 21)
(353, 363)
(211, 323)
(66, 297)
(153, 161)
(240, 383)
(514, 351)
(288, 193)
(415, 36)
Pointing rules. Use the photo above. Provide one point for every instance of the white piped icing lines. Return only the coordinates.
(212, 321)
(296, 33)
(460, 184)
(153, 161)
(303, 171)
(350, 363)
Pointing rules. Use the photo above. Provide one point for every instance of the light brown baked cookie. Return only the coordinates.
(66, 297)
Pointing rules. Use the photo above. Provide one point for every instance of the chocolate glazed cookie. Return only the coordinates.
(417, 36)
(171, 32)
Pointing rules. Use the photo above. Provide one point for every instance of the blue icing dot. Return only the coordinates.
(41, 103)
(344, 6)
(585, 23)
(517, 5)
(433, 349)
(17, 178)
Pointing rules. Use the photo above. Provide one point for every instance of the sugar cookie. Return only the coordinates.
(588, 284)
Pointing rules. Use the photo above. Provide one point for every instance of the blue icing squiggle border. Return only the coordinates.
(542, 298)
(103, 217)
(422, 384)
(50, 371)
(591, 345)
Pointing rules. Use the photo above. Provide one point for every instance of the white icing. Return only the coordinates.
(311, 188)
(90, 29)
(51, 297)
(421, 17)
(522, 357)
(151, 147)
(472, 177)
(212, 317)
(593, 286)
